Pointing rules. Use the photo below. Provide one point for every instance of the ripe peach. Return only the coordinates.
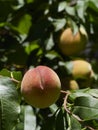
(41, 86)
(72, 44)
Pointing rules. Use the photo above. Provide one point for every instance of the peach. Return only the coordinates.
(81, 69)
(72, 44)
(69, 84)
(41, 87)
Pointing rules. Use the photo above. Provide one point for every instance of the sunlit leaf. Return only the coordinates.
(5, 72)
(62, 6)
(86, 107)
(70, 10)
(30, 119)
(9, 104)
(23, 24)
(32, 46)
(49, 42)
(75, 124)
(59, 24)
(16, 75)
(81, 9)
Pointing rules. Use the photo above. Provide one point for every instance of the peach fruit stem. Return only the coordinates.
(67, 110)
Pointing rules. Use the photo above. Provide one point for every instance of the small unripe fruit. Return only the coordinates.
(72, 44)
(81, 69)
(69, 84)
(41, 87)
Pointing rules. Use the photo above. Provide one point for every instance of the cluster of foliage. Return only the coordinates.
(29, 34)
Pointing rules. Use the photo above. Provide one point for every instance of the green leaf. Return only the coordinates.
(86, 107)
(83, 92)
(53, 108)
(74, 26)
(62, 6)
(30, 118)
(94, 4)
(5, 72)
(9, 104)
(32, 46)
(49, 124)
(67, 65)
(75, 124)
(81, 9)
(30, 1)
(59, 24)
(8, 89)
(23, 24)
(59, 121)
(20, 125)
(78, 93)
(9, 113)
(70, 10)
(93, 92)
(49, 43)
(16, 75)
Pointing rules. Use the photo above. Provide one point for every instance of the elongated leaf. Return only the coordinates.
(75, 124)
(60, 120)
(86, 107)
(9, 114)
(81, 8)
(79, 93)
(24, 24)
(30, 119)
(9, 104)
(8, 89)
(62, 6)
(49, 124)
(5, 72)
(94, 4)
(59, 24)
(20, 125)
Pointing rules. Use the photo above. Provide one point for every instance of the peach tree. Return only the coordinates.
(31, 36)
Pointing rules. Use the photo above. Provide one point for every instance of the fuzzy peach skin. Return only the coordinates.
(40, 87)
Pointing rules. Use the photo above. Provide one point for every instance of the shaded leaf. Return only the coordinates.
(94, 4)
(59, 123)
(49, 124)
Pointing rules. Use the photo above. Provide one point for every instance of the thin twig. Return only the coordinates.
(90, 128)
(68, 111)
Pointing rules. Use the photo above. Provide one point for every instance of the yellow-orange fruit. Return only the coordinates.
(40, 86)
(72, 44)
(81, 69)
(69, 84)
